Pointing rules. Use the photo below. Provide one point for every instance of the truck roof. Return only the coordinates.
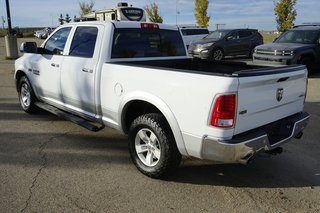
(127, 24)
(306, 27)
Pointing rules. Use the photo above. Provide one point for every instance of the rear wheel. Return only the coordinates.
(217, 54)
(152, 146)
(26, 95)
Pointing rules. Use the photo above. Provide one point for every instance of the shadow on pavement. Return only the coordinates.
(298, 166)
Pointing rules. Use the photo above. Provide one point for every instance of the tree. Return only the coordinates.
(67, 18)
(61, 20)
(201, 7)
(285, 14)
(86, 8)
(153, 13)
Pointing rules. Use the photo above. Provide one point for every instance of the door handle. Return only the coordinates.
(55, 65)
(87, 70)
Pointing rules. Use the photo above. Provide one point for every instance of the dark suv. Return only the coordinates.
(225, 42)
(299, 45)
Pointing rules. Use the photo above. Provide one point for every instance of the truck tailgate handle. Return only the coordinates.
(283, 79)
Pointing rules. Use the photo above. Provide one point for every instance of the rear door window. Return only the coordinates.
(135, 43)
(233, 35)
(245, 33)
(83, 42)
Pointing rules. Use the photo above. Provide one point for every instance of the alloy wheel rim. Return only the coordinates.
(25, 96)
(217, 55)
(147, 147)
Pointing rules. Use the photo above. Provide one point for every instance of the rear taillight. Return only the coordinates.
(224, 111)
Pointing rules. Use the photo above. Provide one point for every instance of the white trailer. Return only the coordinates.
(123, 12)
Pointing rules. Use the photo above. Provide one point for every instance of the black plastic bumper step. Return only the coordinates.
(70, 117)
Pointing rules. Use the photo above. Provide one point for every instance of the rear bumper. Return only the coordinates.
(242, 147)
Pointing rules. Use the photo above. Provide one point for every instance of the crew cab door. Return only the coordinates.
(79, 70)
(46, 67)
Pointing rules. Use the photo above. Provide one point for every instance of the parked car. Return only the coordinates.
(44, 33)
(299, 45)
(226, 42)
(17, 32)
(136, 77)
(192, 33)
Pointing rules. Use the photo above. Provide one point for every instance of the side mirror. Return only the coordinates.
(29, 47)
(319, 41)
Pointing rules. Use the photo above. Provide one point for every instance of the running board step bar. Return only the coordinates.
(70, 117)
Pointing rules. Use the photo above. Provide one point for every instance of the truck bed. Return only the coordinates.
(225, 68)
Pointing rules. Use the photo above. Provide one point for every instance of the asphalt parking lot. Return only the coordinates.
(51, 165)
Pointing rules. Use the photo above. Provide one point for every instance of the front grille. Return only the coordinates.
(274, 52)
(268, 59)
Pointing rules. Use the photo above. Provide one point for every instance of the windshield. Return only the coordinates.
(298, 36)
(216, 35)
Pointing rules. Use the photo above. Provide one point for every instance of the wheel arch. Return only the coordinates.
(307, 54)
(18, 75)
(139, 103)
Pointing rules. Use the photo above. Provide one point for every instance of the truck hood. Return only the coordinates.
(284, 46)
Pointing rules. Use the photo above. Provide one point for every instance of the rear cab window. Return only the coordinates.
(135, 43)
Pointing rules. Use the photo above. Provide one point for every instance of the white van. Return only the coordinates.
(192, 33)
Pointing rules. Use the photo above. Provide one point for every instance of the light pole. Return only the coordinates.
(10, 39)
(8, 17)
(177, 12)
(3, 21)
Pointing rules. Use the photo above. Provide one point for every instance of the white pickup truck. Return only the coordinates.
(137, 78)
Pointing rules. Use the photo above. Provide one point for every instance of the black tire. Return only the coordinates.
(158, 155)
(26, 95)
(217, 54)
(309, 64)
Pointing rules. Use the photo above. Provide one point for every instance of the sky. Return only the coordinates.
(257, 14)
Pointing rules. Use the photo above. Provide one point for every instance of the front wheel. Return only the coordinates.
(308, 63)
(152, 146)
(217, 54)
(26, 95)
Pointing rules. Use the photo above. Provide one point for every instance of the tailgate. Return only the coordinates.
(263, 99)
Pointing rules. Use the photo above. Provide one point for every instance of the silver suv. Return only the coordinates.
(299, 45)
